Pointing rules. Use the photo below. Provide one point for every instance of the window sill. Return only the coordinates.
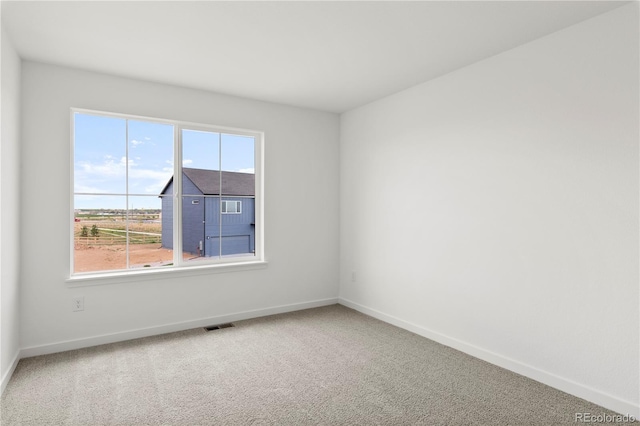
(159, 273)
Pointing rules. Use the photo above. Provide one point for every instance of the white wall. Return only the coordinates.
(495, 209)
(9, 209)
(301, 212)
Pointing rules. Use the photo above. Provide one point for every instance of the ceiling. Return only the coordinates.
(330, 56)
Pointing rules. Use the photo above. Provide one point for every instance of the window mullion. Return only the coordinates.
(126, 197)
(220, 195)
(177, 195)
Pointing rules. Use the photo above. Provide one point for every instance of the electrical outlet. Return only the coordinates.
(77, 304)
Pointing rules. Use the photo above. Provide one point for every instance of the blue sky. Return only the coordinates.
(101, 162)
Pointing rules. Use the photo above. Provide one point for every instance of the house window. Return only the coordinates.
(231, 207)
(148, 193)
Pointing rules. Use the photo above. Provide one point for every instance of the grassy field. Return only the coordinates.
(112, 232)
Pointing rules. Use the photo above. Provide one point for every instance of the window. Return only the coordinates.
(231, 207)
(148, 193)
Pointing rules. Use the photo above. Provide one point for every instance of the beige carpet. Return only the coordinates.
(330, 366)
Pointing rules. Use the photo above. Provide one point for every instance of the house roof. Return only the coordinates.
(208, 182)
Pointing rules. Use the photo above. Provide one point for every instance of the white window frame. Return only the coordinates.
(179, 267)
(225, 210)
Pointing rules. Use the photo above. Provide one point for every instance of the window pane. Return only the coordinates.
(238, 154)
(193, 226)
(238, 229)
(150, 157)
(201, 182)
(99, 154)
(146, 233)
(200, 149)
(97, 247)
(212, 215)
(238, 179)
(229, 207)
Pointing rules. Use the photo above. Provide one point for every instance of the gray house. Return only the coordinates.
(218, 212)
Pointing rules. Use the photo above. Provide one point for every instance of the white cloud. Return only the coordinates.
(87, 189)
(155, 188)
(185, 162)
(146, 138)
(247, 170)
(109, 168)
(109, 176)
(123, 162)
(148, 174)
(135, 143)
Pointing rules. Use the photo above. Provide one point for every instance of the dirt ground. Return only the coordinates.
(107, 258)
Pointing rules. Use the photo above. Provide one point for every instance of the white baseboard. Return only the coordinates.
(167, 328)
(7, 376)
(566, 385)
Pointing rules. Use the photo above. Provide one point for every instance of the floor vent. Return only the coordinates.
(218, 327)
